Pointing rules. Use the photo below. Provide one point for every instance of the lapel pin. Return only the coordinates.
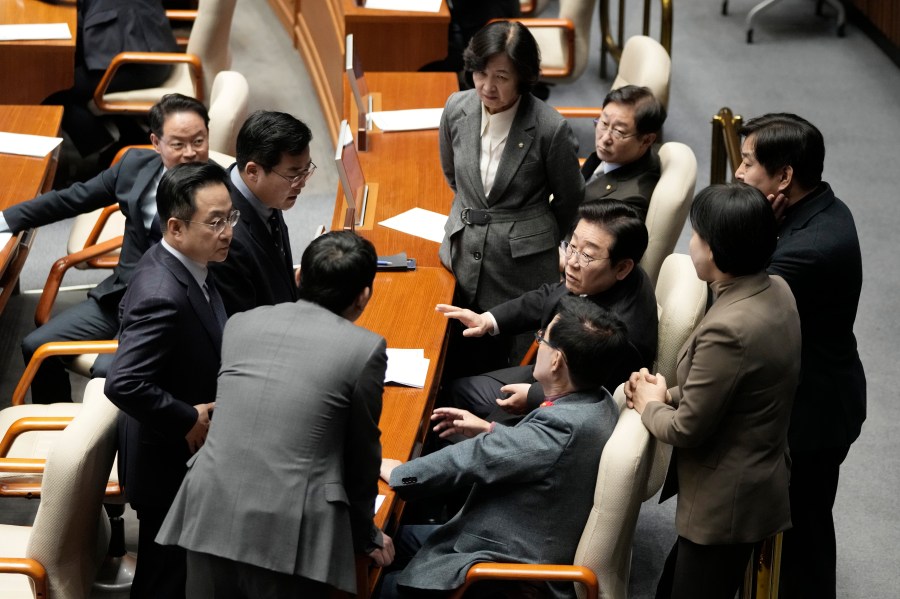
(521, 145)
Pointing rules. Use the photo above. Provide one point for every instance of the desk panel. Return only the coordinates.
(32, 70)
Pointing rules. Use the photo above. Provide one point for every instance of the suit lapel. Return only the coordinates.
(194, 293)
(518, 144)
(143, 180)
(470, 130)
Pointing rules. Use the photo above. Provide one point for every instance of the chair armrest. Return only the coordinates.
(181, 16)
(580, 112)
(530, 572)
(30, 568)
(107, 260)
(58, 348)
(31, 424)
(123, 58)
(59, 268)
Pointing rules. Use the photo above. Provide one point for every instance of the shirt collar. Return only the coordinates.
(261, 209)
(197, 270)
(502, 121)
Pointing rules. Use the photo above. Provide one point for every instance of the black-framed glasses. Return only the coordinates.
(218, 225)
(301, 177)
(603, 127)
(583, 259)
(539, 338)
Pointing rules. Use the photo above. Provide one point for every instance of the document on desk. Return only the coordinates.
(4, 239)
(35, 31)
(408, 367)
(419, 222)
(27, 145)
(407, 120)
(379, 499)
(408, 5)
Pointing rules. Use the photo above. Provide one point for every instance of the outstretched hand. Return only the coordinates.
(453, 421)
(477, 325)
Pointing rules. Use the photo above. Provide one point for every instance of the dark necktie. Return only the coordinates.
(215, 300)
(275, 228)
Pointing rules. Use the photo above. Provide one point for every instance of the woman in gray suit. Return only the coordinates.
(727, 416)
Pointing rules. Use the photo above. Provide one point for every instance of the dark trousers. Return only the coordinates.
(809, 553)
(695, 571)
(161, 569)
(87, 320)
(213, 577)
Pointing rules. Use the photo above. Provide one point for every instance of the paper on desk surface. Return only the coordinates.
(407, 120)
(4, 239)
(407, 367)
(419, 222)
(27, 145)
(35, 31)
(411, 5)
(379, 499)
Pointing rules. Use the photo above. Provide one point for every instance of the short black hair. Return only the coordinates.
(171, 104)
(629, 233)
(335, 268)
(649, 113)
(266, 135)
(510, 38)
(592, 339)
(175, 196)
(738, 223)
(783, 139)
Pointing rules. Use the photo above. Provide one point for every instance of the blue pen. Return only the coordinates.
(383, 263)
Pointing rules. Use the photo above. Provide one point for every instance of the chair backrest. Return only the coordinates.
(210, 37)
(70, 535)
(632, 469)
(553, 41)
(646, 63)
(227, 110)
(669, 204)
(581, 13)
(681, 304)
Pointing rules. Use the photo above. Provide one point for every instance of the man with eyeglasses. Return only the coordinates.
(530, 483)
(179, 134)
(273, 165)
(163, 375)
(624, 166)
(602, 265)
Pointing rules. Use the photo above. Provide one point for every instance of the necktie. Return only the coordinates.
(275, 227)
(215, 300)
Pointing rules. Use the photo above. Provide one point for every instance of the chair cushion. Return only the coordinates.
(34, 444)
(552, 42)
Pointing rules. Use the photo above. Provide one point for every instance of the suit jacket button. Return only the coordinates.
(477, 255)
(608, 187)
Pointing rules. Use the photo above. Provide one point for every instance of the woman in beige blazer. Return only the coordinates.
(727, 415)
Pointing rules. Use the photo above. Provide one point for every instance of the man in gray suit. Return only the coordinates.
(547, 464)
(283, 492)
(624, 166)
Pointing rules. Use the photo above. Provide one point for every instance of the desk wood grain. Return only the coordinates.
(32, 70)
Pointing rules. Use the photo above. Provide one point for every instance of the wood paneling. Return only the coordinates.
(884, 15)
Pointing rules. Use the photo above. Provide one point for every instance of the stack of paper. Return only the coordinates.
(406, 367)
(419, 222)
(35, 31)
(410, 5)
(27, 145)
(407, 120)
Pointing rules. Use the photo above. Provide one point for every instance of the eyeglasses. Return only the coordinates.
(539, 338)
(301, 177)
(602, 128)
(218, 225)
(583, 259)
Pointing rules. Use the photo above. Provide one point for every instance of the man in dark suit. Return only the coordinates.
(624, 166)
(602, 265)
(544, 466)
(163, 376)
(179, 134)
(818, 255)
(273, 165)
(283, 493)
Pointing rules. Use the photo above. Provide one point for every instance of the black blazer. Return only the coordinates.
(107, 27)
(167, 362)
(818, 255)
(630, 183)
(255, 273)
(125, 181)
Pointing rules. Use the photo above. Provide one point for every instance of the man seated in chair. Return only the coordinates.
(533, 482)
(602, 265)
(179, 134)
(624, 166)
(273, 165)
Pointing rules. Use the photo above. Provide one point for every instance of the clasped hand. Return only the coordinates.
(642, 387)
(196, 437)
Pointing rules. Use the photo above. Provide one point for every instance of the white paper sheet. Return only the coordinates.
(35, 31)
(412, 5)
(407, 120)
(27, 145)
(407, 367)
(4, 239)
(379, 499)
(419, 222)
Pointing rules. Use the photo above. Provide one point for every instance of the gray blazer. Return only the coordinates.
(737, 374)
(533, 489)
(517, 251)
(288, 476)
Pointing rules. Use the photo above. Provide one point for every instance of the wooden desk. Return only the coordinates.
(32, 70)
(24, 178)
(402, 310)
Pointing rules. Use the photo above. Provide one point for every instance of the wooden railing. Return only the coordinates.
(726, 146)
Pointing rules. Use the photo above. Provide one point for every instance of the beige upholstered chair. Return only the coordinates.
(681, 304)
(645, 62)
(61, 552)
(532, 8)
(669, 204)
(227, 112)
(193, 74)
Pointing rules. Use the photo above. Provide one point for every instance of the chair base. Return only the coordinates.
(116, 573)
